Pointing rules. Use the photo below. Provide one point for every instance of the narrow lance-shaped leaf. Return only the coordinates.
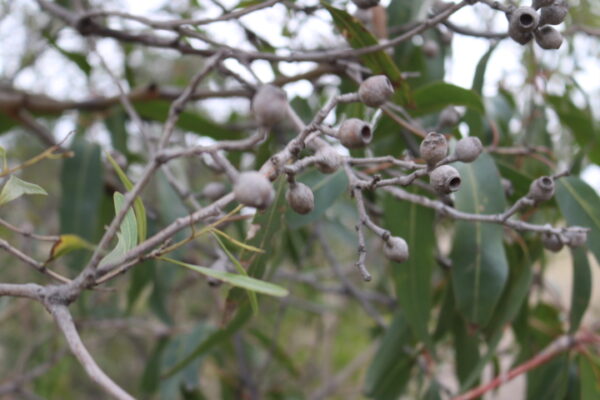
(438, 95)
(479, 265)
(578, 202)
(415, 224)
(582, 287)
(15, 188)
(238, 280)
(66, 244)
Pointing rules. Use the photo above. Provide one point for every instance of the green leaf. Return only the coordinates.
(80, 59)
(390, 369)
(413, 278)
(589, 373)
(479, 77)
(327, 188)
(479, 265)
(238, 280)
(439, 95)
(157, 110)
(66, 244)
(582, 288)
(15, 188)
(81, 180)
(549, 381)
(466, 349)
(4, 160)
(127, 235)
(578, 202)
(138, 204)
(379, 62)
(580, 122)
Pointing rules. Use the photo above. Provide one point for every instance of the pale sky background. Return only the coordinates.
(52, 75)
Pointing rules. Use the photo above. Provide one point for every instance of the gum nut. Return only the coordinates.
(434, 148)
(447, 36)
(300, 198)
(445, 179)
(355, 133)
(269, 105)
(554, 14)
(576, 237)
(365, 3)
(375, 91)
(548, 38)
(537, 4)
(541, 189)
(329, 160)
(396, 249)
(552, 241)
(520, 37)
(468, 149)
(253, 189)
(431, 48)
(449, 117)
(524, 19)
(214, 190)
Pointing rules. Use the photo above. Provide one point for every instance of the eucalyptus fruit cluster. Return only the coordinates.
(526, 23)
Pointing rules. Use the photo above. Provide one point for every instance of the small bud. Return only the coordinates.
(445, 179)
(329, 160)
(548, 38)
(300, 198)
(253, 189)
(447, 36)
(430, 48)
(522, 22)
(541, 189)
(449, 117)
(537, 4)
(269, 105)
(552, 241)
(365, 3)
(434, 148)
(554, 14)
(375, 91)
(396, 249)
(575, 236)
(507, 185)
(355, 133)
(214, 190)
(468, 149)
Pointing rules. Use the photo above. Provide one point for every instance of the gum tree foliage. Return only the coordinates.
(175, 225)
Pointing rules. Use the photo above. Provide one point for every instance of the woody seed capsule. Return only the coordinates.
(434, 148)
(214, 190)
(522, 22)
(253, 189)
(537, 4)
(576, 236)
(449, 117)
(541, 189)
(396, 249)
(269, 105)
(548, 38)
(375, 91)
(355, 133)
(431, 48)
(445, 179)
(300, 198)
(328, 160)
(552, 241)
(554, 14)
(468, 149)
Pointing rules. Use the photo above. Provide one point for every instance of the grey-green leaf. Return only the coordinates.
(578, 202)
(582, 287)
(127, 235)
(15, 188)
(479, 265)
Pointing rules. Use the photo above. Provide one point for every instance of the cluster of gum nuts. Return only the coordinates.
(526, 23)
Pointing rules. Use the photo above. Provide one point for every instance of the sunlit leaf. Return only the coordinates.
(127, 235)
(68, 243)
(15, 188)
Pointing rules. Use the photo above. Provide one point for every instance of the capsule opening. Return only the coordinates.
(366, 134)
(454, 183)
(526, 20)
(547, 182)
